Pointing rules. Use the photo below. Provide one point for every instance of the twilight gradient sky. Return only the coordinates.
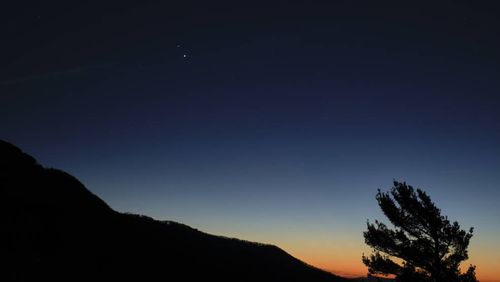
(273, 123)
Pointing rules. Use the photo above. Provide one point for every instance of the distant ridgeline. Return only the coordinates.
(54, 229)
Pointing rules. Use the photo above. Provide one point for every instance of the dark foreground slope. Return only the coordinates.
(56, 230)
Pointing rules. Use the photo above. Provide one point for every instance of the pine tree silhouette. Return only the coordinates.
(423, 246)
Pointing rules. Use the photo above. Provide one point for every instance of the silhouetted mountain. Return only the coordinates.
(57, 230)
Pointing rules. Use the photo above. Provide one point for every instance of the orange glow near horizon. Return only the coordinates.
(486, 269)
(352, 269)
(344, 259)
(341, 256)
(340, 252)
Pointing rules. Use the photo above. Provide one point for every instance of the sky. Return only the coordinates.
(273, 122)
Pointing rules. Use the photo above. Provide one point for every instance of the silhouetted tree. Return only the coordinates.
(423, 246)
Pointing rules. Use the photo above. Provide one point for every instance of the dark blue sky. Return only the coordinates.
(273, 122)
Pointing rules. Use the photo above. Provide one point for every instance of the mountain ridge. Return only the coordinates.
(59, 230)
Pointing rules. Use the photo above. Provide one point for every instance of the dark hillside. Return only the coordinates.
(57, 230)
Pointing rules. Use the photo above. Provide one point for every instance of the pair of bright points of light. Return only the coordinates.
(183, 55)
